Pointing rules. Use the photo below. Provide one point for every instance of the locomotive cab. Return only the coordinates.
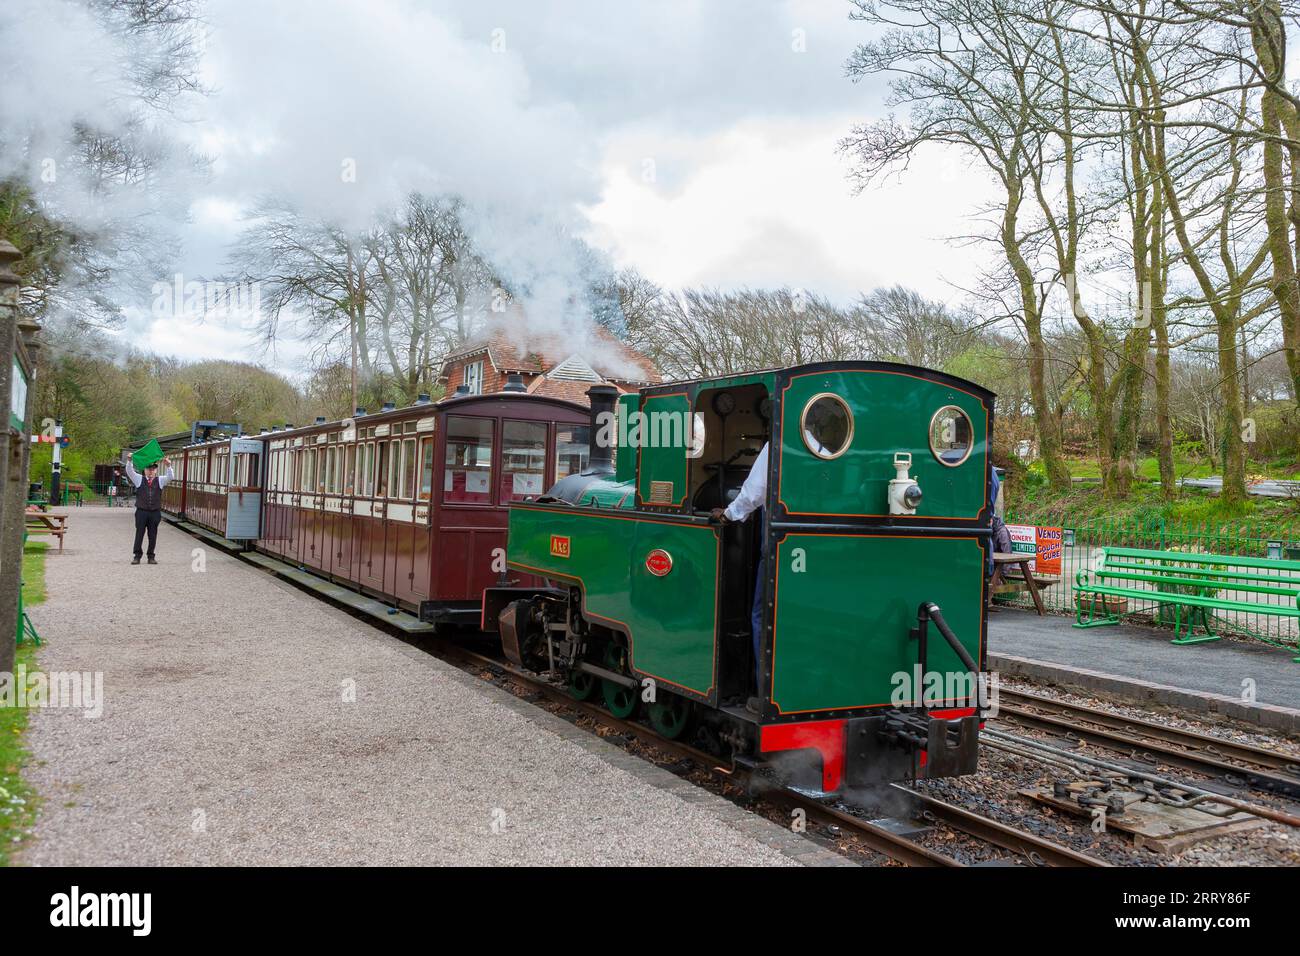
(732, 424)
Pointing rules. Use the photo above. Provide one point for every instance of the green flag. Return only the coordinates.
(150, 454)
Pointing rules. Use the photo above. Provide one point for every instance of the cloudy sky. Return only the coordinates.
(692, 140)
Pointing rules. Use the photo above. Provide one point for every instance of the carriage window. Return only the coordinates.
(523, 460)
(468, 475)
(395, 469)
(368, 473)
(331, 468)
(322, 471)
(426, 468)
(381, 469)
(950, 436)
(572, 449)
(826, 426)
(408, 468)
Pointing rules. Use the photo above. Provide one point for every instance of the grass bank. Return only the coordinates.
(1146, 504)
(17, 801)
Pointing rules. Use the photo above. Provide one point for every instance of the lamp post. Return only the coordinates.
(56, 477)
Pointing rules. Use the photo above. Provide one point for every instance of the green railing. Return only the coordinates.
(1082, 539)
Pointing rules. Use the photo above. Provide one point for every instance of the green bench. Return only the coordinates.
(1191, 585)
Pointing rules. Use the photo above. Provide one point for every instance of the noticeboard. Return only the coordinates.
(18, 397)
(1044, 543)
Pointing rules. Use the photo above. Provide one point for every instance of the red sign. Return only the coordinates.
(659, 562)
(1047, 543)
(560, 545)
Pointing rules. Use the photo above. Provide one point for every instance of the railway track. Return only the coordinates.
(1224, 760)
(1029, 848)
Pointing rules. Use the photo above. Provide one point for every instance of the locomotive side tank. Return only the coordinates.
(867, 556)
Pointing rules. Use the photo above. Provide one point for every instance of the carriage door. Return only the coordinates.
(469, 522)
(422, 527)
(343, 520)
(371, 520)
(400, 515)
(244, 491)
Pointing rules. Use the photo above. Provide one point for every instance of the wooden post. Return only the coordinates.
(17, 341)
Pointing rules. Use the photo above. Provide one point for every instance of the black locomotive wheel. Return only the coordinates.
(621, 701)
(670, 716)
(582, 686)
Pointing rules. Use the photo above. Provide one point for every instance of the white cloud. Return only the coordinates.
(766, 203)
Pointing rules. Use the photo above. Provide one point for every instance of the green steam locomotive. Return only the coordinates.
(783, 562)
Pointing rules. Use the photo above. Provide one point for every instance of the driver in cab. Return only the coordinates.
(749, 500)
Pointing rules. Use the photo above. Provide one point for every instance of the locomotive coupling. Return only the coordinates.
(904, 493)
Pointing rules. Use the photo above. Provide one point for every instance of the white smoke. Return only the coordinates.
(73, 100)
(347, 111)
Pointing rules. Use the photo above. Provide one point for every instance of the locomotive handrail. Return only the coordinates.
(926, 612)
(932, 611)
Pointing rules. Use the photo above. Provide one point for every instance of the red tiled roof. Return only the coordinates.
(544, 353)
(566, 389)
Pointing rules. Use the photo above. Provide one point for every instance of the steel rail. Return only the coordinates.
(1000, 737)
(1039, 851)
(1261, 769)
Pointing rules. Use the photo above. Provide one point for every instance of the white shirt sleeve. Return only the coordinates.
(132, 475)
(753, 492)
(163, 479)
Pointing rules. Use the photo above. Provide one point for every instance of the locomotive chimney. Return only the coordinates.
(514, 383)
(602, 399)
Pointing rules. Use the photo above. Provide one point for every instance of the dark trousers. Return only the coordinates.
(146, 521)
(756, 614)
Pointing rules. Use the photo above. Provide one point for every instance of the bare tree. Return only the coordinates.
(965, 76)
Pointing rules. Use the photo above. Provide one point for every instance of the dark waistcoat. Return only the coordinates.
(149, 495)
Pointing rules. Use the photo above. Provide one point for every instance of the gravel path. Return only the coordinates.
(226, 738)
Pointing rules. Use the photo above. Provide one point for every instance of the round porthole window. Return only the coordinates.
(826, 425)
(951, 436)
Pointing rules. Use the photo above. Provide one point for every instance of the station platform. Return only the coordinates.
(1254, 683)
(246, 722)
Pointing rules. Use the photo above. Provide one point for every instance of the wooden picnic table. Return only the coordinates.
(999, 584)
(47, 522)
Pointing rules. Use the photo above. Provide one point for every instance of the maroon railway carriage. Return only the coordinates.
(411, 505)
(218, 486)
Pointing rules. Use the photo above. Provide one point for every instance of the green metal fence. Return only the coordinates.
(1083, 539)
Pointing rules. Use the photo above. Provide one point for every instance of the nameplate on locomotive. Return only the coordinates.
(559, 545)
(661, 492)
